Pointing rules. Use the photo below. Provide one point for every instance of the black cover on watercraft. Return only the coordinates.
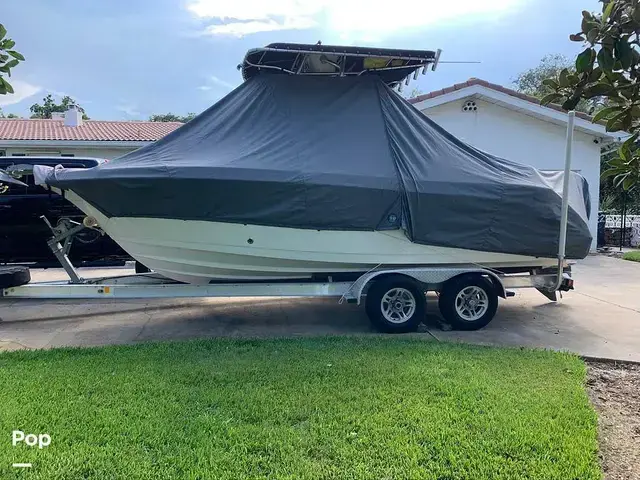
(341, 154)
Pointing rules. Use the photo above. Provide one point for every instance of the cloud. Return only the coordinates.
(21, 91)
(240, 29)
(129, 109)
(222, 83)
(253, 9)
(213, 82)
(346, 18)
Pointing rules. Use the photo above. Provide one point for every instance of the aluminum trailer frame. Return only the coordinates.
(155, 286)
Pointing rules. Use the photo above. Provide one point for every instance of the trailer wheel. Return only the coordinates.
(395, 304)
(468, 302)
(14, 276)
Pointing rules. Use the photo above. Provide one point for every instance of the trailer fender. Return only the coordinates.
(430, 278)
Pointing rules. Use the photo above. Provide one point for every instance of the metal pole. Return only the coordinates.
(623, 219)
(562, 240)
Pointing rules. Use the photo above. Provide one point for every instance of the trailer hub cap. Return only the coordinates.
(472, 303)
(398, 305)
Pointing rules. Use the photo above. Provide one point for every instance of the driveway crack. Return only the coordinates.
(149, 316)
(608, 302)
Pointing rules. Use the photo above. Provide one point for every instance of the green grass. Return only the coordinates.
(339, 408)
(633, 256)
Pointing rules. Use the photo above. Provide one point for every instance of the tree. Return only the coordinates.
(49, 106)
(613, 197)
(8, 115)
(170, 117)
(609, 66)
(9, 58)
(531, 82)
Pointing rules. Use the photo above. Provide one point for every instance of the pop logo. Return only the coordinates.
(31, 439)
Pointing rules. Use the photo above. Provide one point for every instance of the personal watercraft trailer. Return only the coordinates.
(394, 295)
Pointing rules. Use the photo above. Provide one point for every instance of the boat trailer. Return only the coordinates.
(395, 299)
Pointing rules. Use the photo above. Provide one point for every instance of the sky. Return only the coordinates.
(127, 60)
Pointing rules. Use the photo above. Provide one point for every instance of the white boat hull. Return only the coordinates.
(199, 252)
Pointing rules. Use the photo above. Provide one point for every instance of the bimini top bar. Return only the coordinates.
(394, 67)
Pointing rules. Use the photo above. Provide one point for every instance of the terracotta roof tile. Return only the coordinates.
(90, 130)
(493, 86)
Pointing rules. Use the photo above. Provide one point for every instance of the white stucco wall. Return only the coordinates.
(97, 152)
(525, 139)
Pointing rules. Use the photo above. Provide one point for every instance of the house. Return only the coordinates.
(68, 135)
(515, 126)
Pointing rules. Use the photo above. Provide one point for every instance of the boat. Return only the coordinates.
(315, 167)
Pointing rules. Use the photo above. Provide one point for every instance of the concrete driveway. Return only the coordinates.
(601, 318)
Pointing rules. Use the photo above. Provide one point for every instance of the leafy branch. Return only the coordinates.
(609, 68)
(9, 58)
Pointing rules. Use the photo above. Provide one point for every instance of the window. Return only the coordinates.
(3, 153)
(18, 154)
(13, 189)
(67, 155)
(30, 189)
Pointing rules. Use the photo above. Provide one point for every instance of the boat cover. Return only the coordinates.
(339, 154)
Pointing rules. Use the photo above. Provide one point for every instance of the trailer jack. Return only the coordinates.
(64, 232)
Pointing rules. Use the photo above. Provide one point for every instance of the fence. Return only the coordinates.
(610, 230)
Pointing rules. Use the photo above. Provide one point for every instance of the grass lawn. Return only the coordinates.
(340, 408)
(633, 256)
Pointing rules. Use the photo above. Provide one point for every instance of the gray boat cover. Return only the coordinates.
(338, 154)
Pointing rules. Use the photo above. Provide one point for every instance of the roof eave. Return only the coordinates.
(523, 106)
(75, 143)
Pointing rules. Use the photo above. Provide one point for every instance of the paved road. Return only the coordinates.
(601, 318)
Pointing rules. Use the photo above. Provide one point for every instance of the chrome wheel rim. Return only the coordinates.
(398, 305)
(472, 303)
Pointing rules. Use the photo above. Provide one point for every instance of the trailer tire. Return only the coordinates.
(395, 304)
(14, 276)
(468, 302)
